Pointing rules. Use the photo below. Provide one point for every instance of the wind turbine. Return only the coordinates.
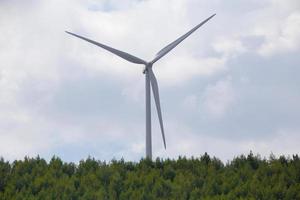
(150, 79)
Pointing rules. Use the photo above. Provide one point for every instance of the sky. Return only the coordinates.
(230, 88)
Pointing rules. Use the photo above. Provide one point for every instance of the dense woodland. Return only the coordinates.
(205, 177)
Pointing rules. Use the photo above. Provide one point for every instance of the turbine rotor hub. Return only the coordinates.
(148, 65)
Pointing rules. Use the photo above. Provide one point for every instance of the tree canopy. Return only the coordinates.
(203, 177)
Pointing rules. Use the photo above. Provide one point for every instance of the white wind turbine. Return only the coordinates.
(149, 79)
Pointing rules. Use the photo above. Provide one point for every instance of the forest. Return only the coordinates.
(204, 177)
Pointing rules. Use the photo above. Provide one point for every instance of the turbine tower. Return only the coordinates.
(150, 80)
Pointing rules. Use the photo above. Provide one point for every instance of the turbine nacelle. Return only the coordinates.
(147, 66)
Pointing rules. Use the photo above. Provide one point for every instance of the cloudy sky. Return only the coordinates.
(232, 87)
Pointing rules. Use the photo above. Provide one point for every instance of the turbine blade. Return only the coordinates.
(157, 102)
(119, 53)
(172, 45)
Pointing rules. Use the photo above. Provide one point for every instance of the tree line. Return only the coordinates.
(204, 177)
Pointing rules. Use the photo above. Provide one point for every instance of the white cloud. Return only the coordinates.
(283, 142)
(135, 89)
(190, 102)
(189, 143)
(276, 23)
(20, 136)
(176, 70)
(281, 36)
(218, 98)
(229, 47)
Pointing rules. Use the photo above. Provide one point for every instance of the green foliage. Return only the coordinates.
(245, 177)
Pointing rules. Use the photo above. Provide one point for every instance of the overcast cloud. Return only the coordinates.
(232, 87)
